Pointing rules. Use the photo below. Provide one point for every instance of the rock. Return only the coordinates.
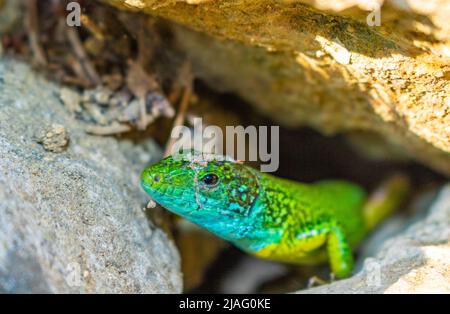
(251, 274)
(72, 221)
(416, 261)
(324, 66)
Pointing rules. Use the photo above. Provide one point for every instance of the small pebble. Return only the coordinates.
(151, 204)
(54, 138)
(102, 95)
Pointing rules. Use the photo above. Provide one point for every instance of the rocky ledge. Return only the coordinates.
(71, 218)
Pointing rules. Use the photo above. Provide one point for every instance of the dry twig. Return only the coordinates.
(32, 26)
(184, 104)
(113, 129)
(83, 59)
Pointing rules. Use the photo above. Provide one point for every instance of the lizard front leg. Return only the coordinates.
(315, 243)
(335, 241)
(339, 252)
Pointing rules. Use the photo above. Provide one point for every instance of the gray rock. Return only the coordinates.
(72, 222)
(415, 261)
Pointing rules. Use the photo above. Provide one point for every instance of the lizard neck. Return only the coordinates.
(261, 227)
(277, 200)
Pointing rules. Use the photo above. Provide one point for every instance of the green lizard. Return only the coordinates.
(267, 216)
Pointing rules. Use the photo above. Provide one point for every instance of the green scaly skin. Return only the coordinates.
(267, 216)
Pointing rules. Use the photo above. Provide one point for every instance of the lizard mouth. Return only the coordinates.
(167, 199)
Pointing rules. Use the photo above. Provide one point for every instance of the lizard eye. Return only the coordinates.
(156, 178)
(210, 179)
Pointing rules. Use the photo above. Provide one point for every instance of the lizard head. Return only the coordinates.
(212, 191)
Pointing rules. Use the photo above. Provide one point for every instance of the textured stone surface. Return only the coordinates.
(326, 69)
(72, 221)
(415, 261)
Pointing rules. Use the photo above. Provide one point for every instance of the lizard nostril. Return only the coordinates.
(156, 178)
